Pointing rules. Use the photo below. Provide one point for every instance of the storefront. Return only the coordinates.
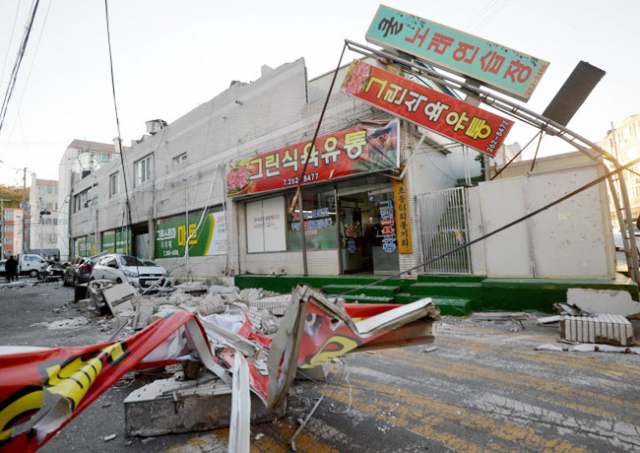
(349, 213)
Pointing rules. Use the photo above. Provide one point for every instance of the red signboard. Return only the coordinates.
(344, 153)
(432, 109)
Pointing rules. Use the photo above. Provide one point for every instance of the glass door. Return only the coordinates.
(368, 242)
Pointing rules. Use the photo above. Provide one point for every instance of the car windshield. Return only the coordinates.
(127, 260)
(150, 263)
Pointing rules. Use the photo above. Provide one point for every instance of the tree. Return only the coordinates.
(13, 193)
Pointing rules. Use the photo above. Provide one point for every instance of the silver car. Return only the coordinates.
(126, 268)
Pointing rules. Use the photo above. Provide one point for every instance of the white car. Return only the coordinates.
(125, 268)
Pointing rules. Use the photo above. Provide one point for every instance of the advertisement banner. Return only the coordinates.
(210, 239)
(344, 153)
(508, 71)
(79, 375)
(458, 120)
(403, 226)
(85, 246)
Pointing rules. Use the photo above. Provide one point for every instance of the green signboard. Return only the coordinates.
(173, 233)
(507, 70)
(85, 246)
(116, 241)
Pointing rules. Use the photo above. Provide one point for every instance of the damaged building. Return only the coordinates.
(211, 197)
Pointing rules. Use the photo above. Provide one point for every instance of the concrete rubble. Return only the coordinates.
(233, 341)
(591, 319)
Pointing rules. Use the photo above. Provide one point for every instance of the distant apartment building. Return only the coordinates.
(43, 218)
(12, 234)
(79, 160)
(623, 142)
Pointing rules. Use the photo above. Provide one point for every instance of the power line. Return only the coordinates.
(115, 106)
(13, 28)
(16, 66)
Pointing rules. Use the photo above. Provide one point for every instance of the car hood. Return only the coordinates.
(145, 270)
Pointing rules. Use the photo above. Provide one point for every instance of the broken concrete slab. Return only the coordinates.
(604, 328)
(500, 316)
(604, 301)
(118, 293)
(144, 314)
(548, 320)
(211, 303)
(275, 304)
(319, 373)
(168, 406)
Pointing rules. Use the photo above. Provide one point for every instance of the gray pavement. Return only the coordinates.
(484, 389)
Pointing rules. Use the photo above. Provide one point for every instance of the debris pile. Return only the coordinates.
(591, 319)
(239, 350)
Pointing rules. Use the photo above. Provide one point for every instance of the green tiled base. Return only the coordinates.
(455, 295)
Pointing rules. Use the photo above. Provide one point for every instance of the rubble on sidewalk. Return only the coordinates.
(180, 407)
(603, 328)
(500, 316)
(594, 317)
(313, 331)
(589, 348)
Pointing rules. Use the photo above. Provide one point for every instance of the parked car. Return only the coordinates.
(31, 264)
(79, 271)
(54, 271)
(2, 270)
(126, 268)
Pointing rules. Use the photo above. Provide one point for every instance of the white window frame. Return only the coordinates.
(114, 184)
(143, 170)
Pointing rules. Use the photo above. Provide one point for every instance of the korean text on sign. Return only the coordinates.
(458, 120)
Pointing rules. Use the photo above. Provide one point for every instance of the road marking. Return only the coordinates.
(436, 420)
(516, 382)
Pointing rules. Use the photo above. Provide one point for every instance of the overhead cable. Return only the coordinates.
(16, 66)
(115, 107)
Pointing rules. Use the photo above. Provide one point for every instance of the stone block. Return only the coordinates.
(167, 406)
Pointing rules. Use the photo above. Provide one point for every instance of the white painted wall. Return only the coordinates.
(571, 240)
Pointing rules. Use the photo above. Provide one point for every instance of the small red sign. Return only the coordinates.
(344, 153)
(432, 109)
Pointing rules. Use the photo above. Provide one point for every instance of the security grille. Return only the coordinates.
(443, 217)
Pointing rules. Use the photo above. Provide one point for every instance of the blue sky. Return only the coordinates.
(170, 56)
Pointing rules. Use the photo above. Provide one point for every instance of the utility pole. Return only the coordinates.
(24, 211)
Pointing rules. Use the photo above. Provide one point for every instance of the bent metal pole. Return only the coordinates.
(510, 108)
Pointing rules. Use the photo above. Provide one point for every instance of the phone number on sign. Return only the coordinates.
(306, 178)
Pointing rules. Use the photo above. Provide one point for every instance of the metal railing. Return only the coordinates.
(443, 216)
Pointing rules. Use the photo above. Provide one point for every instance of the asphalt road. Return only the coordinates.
(484, 389)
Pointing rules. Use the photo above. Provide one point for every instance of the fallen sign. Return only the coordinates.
(314, 331)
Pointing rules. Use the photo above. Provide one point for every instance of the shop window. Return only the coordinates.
(320, 221)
